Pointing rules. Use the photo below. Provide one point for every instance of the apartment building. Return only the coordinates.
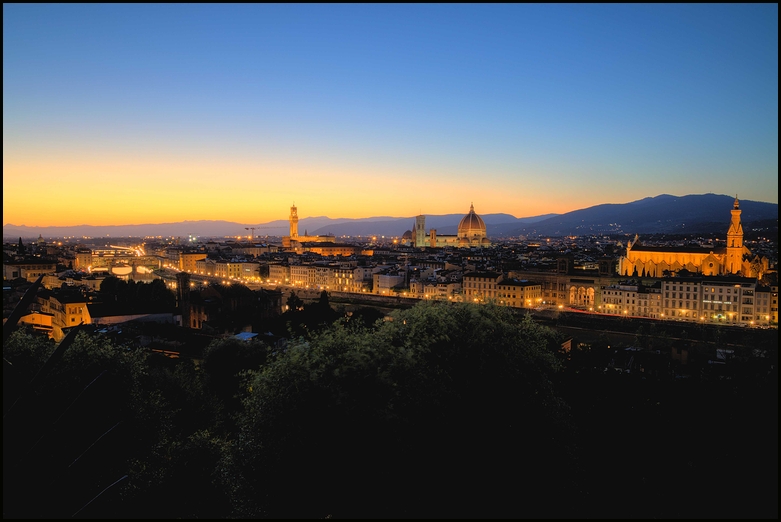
(279, 273)
(187, 260)
(718, 299)
(518, 293)
(29, 269)
(435, 289)
(481, 286)
(67, 309)
(766, 305)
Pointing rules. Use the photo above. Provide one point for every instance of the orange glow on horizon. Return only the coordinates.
(61, 191)
(122, 193)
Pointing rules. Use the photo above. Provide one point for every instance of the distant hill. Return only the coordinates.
(703, 213)
(202, 228)
(378, 225)
(445, 224)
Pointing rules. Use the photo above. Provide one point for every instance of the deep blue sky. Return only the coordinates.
(360, 110)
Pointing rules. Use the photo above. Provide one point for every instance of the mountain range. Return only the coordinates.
(698, 213)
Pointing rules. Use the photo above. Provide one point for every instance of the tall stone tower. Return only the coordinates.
(734, 261)
(420, 231)
(293, 222)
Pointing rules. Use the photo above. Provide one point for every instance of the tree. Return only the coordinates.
(225, 359)
(68, 439)
(365, 317)
(440, 399)
(155, 296)
(152, 297)
(323, 299)
(114, 289)
(113, 424)
(320, 313)
(294, 303)
(304, 319)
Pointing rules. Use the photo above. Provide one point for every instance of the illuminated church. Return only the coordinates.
(734, 258)
(471, 232)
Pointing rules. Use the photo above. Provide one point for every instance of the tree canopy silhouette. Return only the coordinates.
(442, 411)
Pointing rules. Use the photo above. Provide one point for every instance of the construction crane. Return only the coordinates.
(252, 235)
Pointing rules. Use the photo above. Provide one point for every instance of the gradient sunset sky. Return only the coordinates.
(132, 114)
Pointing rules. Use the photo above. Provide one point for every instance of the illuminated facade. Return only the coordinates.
(505, 291)
(331, 277)
(471, 232)
(766, 304)
(188, 260)
(388, 282)
(83, 259)
(28, 269)
(67, 310)
(293, 241)
(279, 273)
(518, 293)
(435, 289)
(735, 258)
(632, 300)
(40, 322)
(329, 249)
(481, 286)
(727, 299)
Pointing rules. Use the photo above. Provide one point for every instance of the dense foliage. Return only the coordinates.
(437, 411)
(130, 296)
(431, 414)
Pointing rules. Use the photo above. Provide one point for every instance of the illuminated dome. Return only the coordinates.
(407, 235)
(471, 228)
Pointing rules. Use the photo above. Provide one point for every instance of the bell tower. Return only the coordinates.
(293, 222)
(734, 261)
(420, 231)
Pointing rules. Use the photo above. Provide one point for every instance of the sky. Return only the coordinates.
(143, 113)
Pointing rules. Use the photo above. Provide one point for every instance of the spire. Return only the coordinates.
(736, 205)
(471, 207)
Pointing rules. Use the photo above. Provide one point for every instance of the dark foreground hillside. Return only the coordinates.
(444, 411)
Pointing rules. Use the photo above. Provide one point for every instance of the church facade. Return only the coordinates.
(471, 232)
(733, 259)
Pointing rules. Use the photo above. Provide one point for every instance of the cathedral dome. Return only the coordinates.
(471, 225)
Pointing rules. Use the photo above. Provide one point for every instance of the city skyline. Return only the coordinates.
(122, 114)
